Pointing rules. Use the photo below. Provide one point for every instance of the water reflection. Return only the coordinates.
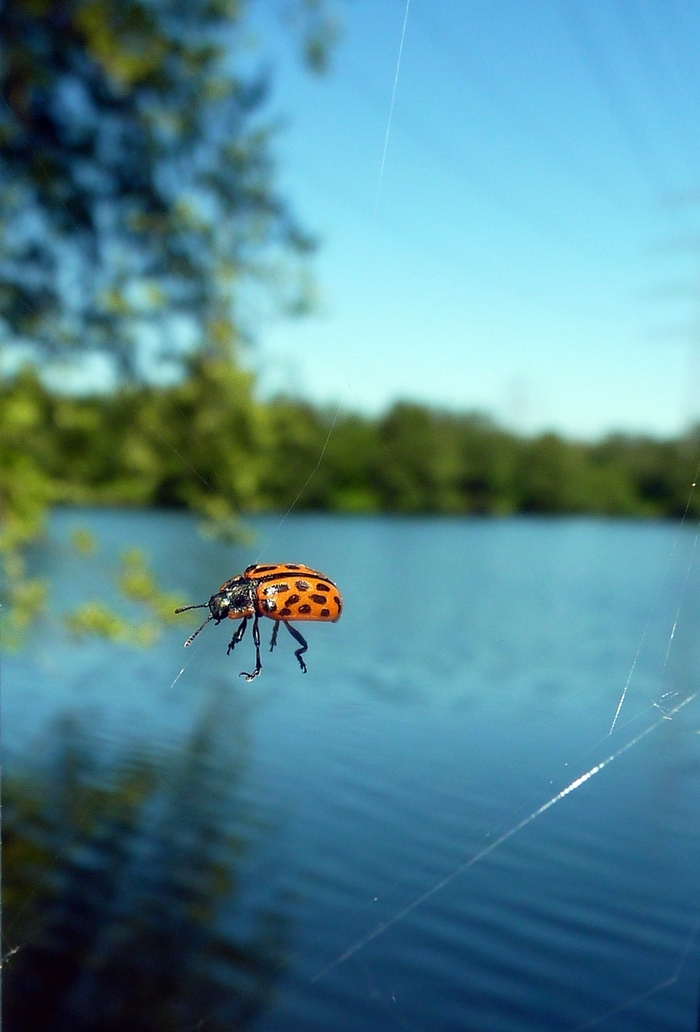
(122, 883)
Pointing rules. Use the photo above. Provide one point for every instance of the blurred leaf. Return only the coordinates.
(134, 582)
(83, 541)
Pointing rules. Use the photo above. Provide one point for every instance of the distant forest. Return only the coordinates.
(210, 445)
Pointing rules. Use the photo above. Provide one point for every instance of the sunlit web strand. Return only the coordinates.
(391, 107)
(376, 203)
(383, 926)
(178, 676)
(685, 584)
(623, 695)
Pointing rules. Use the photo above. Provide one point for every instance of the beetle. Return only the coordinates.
(280, 591)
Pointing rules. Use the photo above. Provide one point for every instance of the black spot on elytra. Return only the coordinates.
(270, 605)
(285, 612)
(320, 600)
(325, 612)
(260, 569)
(302, 585)
(322, 587)
(292, 566)
(305, 608)
(291, 600)
(336, 599)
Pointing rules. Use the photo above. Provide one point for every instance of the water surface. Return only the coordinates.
(188, 850)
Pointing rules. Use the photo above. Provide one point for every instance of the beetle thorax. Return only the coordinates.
(235, 598)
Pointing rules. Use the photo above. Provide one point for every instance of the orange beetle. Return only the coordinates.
(280, 591)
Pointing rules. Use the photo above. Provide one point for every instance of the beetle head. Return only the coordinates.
(234, 599)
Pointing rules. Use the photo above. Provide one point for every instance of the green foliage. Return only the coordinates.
(26, 489)
(136, 174)
(23, 597)
(441, 462)
(83, 541)
(134, 583)
(137, 203)
(209, 445)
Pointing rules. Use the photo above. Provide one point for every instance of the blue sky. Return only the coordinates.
(527, 254)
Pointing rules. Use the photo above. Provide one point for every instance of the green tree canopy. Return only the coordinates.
(136, 192)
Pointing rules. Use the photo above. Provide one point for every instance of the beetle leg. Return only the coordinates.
(256, 642)
(238, 634)
(302, 641)
(273, 639)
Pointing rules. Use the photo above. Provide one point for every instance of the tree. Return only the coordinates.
(136, 194)
(136, 201)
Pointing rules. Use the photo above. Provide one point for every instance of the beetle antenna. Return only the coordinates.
(193, 636)
(200, 605)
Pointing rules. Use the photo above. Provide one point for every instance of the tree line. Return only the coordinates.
(209, 444)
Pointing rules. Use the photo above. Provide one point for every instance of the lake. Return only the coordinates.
(377, 844)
